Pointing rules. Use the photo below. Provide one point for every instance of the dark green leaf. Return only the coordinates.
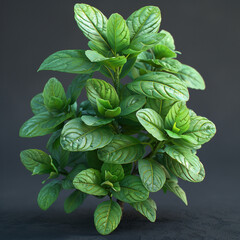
(37, 104)
(93, 160)
(128, 66)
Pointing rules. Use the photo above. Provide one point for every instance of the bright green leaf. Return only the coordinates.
(114, 169)
(95, 121)
(37, 104)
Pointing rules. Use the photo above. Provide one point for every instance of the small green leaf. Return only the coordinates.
(162, 51)
(167, 40)
(73, 201)
(160, 85)
(132, 190)
(147, 208)
(89, 181)
(152, 122)
(77, 136)
(49, 194)
(105, 109)
(95, 121)
(107, 217)
(131, 104)
(69, 61)
(101, 48)
(114, 169)
(37, 104)
(143, 21)
(123, 149)
(128, 66)
(152, 175)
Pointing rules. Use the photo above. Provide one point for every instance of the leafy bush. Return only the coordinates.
(125, 141)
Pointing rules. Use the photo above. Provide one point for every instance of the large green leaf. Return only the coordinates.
(42, 124)
(147, 208)
(95, 121)
(89, 181)
(97, 88)
(92, 22)
(54, 95)
(152, 122)
(107, 217)
(123, 149)
(49, 194)
(185, 157)
(182, 172)
(77, 136)
(73, 201)
(191, 77)
(75, 88)
(152, 175)
(131, 104)
(178, 118)
(167, 40)
(143, 21)
(37, 104)
(160, 85)
(69, 61)
(114, 169)
(132, 190)
(118, 34)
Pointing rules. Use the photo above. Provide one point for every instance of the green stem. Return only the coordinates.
(117, 81)
(156, 148)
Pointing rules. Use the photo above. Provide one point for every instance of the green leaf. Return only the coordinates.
(132, 190)
(162, 51)
(118, 34)
(143, 43)
(128, 66)
(42, 124)
(185, 157)
(191, 77)
(92, 22)
(73, 201)
(152, 175)
(97, 88)
(160, 85)
(93, 160)
(152, 122)
(178, 118)
(167, 40)
(37, 104)
(49, 194)
(123, 149)
(131, 104)
(177, 190)
(184, 173)
(89, 181)
(104, 108)
(76, 136)
(147, 208)
(127, 168)
(75, 88)
(54, 96)
(107, 217)
(32, 159)
(95, 121)
(114, 169)
(143, 21)
(69, 61)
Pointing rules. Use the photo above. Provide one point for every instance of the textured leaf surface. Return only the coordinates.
(152, 175)
(123, 149)
(77, 136)
(73, 201)
(143, 21)
(147, 208)
(69, 61)
(162, 51)
(152, 122)
(37, 104)
(161, 86)
(132, 190)
(95, 121)
(89, 181)
(167, 40)
(107, 217)
(49, 194)
(114, 169)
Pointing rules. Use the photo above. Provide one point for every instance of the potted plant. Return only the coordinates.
(124, 141)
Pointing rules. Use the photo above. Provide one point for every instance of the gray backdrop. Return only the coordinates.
(207, 33)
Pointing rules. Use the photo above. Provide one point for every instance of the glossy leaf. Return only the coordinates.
(89, 181)
(151, 174)
(152, 122)
(132, 190)
(162, 51)
(107, 217)
(69, 61)
(114, 169)
(95, 121)
(49, 194)
(77, 136)
(122, 149)
(37, 104)
(143, 21)
(147, 208)
(105, 108)
(161, 86)
(167, 40)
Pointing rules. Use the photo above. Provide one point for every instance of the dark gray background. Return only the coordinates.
(207, 33)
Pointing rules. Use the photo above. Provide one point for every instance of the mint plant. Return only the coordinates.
(124, 141)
